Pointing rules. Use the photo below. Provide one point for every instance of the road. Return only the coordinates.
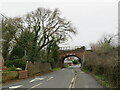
(71, 77)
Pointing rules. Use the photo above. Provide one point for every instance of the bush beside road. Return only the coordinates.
(9, 75)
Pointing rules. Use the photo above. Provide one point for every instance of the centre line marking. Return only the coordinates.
(49, 78)
(36, 85)
(70, 86)
(74, 82)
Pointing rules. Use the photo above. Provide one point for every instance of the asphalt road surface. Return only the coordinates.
(71, 77)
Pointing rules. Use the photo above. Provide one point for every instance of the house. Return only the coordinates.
(70, 63)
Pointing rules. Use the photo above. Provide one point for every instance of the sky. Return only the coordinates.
(92, 18)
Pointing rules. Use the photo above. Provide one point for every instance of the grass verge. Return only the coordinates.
(56, 69)
(101, 79)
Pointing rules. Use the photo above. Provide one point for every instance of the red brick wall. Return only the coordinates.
(37, 67)
(23, 74)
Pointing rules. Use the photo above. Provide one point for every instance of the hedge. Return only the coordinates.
(9, 75)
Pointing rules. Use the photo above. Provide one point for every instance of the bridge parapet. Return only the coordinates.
(70, 48)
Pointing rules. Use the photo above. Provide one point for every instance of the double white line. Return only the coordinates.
(72, 84)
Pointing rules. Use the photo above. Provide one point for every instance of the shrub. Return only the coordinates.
(98, 70)
(17, 52)
(52, 64)
(18, 63)
(75, 62)
(12, 68)
(9, 75)
(87, 67)
(103, 64)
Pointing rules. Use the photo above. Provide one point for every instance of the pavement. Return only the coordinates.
(71, 77)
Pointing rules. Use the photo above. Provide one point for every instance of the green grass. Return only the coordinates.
(56, 69)
(66, 65)
(85, 70)
(99, 78)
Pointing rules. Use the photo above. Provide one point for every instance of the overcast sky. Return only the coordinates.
(92, 18)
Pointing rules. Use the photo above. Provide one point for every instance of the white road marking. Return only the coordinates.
(69, 87)
(72, 71)
(86, 86)
(49, 78)
(36, 85)
(71, 82)
(81, 72)
(36, 79)
(74, 82)
(15, 86)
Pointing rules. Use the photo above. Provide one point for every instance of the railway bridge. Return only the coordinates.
(65, 52)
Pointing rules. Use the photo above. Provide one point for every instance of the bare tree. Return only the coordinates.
(47, 26)
(105, 45)
(107, 39)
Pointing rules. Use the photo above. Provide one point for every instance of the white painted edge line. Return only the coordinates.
(36, 85)
(15, 86)
(50, 78)
(36, 79)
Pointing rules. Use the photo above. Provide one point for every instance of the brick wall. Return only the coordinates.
(23, 74)
(37, 67)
